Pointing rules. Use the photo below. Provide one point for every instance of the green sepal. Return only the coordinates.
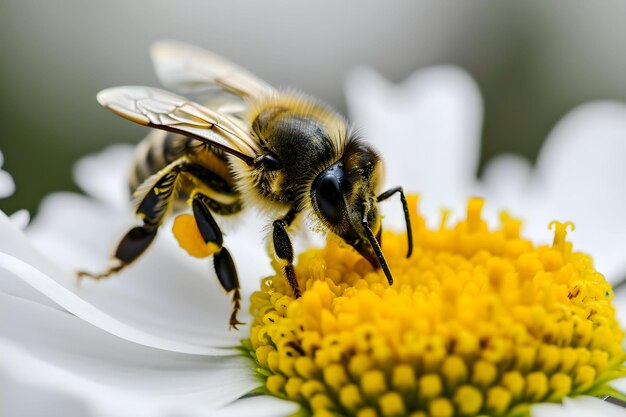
(302, 412)
(612, 392)
(519, 410)
(256, 392)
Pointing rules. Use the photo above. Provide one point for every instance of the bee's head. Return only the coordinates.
(345, 192)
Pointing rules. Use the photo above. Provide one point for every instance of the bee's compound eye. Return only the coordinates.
(271, 162)
(329, 199)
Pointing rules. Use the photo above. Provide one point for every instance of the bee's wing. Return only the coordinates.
(188, 69)
(167, 111)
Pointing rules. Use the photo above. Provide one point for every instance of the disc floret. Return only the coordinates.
(478, 321)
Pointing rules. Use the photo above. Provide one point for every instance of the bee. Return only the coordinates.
(244, 143)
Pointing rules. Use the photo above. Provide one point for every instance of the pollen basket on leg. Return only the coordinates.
(190, 239)
(478, 321)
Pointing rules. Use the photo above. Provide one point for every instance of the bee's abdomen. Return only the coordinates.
(154, 153)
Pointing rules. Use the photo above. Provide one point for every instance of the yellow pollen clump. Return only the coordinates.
(189, 238)
(478, 321)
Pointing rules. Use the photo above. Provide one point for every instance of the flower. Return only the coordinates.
(153, 341)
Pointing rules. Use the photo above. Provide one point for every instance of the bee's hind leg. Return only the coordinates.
(133, 244)
(152, 208)
(222, 260)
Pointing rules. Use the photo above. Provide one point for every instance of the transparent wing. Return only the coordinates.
(188, 69)
(167, 111)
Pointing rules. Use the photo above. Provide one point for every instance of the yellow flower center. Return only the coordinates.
(477, 321)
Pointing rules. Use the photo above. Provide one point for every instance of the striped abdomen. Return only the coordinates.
(155, 152)
(206, 169)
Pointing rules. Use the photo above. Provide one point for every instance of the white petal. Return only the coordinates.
(117, 372)
(579, 407)
(261, 406)
(580, 176)
(25, 272)
(105, 175)
(620, 384)
(78, 232)
(505, 183)
(20, 218)
(12, 268)
(619, 302)
(23, 398)
(166, 292)
(7, 186)
(506, 179)
(427, 129)
(14, 243)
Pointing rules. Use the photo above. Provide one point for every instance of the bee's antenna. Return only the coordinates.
(372, 238)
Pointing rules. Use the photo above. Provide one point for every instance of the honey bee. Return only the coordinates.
(247, 144)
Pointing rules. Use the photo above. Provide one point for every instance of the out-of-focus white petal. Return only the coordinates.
(619, 301)
(13, 242)
(427, 130)
(579, 407)
(165, 292)
(105, 175)
(116, 372)
(620, 384)
(505, 184)
(506, 179)
(7, 186)
(20, 218)
(580, 176)
(261, 406)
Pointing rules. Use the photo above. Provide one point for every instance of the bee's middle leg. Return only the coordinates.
(284, 249)
(222, 260)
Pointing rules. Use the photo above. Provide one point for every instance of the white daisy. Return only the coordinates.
(153, 341)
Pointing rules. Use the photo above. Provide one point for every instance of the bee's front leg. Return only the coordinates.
(407, 217)
(222, 260)
(284, 249)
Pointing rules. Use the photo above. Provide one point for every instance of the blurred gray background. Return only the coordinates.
(533, 61)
